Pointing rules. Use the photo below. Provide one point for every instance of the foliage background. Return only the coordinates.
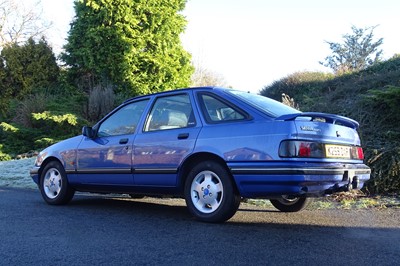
(370, 96)
(115, 50)
(134, 48)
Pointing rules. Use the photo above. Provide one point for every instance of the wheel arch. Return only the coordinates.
(195, 159)
(47, 161)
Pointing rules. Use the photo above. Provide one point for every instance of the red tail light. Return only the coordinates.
(309, 149)
(360, 153)
(304, 150)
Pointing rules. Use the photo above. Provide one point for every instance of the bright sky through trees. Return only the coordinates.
(254, 42)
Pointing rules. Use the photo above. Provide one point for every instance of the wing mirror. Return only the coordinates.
(88, 132)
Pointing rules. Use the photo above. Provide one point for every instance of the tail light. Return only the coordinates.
(360, 153)
(310, 149)
(357, 153)
(301, 149)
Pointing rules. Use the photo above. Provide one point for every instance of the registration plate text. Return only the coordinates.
(337, 151)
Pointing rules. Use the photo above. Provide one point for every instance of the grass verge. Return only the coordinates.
(345, 200)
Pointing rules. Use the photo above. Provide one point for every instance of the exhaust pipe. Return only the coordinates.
(355, 183)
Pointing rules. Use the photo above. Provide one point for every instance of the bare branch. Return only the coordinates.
(18, 22)
(206, 77)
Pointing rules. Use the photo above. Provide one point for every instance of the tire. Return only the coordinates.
(136, 196)
(54, 185)
(210, 194)
(291, 204)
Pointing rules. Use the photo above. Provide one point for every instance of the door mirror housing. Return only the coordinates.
(88, 132)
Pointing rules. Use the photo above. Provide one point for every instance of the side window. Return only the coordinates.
(171, 112)
(124, 121)
(216, 110)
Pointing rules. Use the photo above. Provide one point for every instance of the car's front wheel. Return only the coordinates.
(210, 194)
(290, 203)
(54, 185)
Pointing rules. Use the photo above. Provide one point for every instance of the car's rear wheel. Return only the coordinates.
(136, 196)
(210, 194)
(54, 185)
(290, 203)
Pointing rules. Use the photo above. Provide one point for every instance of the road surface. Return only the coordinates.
(102, 230)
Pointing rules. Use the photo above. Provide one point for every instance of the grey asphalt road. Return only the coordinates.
(102, 230)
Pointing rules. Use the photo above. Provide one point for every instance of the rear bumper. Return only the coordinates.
(263, 180)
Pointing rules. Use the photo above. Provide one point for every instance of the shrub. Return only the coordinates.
(101, 101)
(48, 128)
(370, 96)
(298, 85)
(16, 139)
(385, 165)
(45, 142)
(35, 103)
(4, 156)
(57, 124)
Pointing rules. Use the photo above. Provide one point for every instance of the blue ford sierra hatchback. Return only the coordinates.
(211, 146)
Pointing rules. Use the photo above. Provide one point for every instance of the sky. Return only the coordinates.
(252, 43)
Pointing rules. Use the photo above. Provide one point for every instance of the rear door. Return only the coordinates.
(168, 137)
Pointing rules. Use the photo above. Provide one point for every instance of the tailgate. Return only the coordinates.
(327, 128)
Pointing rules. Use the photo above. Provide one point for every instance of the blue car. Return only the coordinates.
(211, 146)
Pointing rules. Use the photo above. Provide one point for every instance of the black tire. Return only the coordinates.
(136, 196)
(54, 185)
(291, 204)
(210, 194)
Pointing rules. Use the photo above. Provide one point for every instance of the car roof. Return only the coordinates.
(175, 90)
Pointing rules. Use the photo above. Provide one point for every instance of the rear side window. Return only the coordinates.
(216, 110)
(171, 112)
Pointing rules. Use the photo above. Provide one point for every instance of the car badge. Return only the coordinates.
(308, 128)
(338, 134)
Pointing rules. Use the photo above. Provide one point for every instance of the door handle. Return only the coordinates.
(183, 136)
(123, 141)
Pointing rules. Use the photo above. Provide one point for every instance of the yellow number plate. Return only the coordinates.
(337, 151)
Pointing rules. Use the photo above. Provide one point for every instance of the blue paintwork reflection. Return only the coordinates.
(162, 151)
(158, 141)
(100, 155)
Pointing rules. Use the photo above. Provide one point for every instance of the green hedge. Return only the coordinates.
(47, 128)
(370, 96)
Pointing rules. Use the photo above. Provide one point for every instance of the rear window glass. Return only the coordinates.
(218, 111)
(267, 105)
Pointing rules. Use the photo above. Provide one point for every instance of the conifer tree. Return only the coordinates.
(357, 52)
(133, 45)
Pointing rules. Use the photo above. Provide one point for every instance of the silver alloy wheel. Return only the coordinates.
(52, 183)
(288, 200)
(206, 192)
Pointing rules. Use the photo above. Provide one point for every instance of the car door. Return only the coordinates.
(169, 136)
(106, 159)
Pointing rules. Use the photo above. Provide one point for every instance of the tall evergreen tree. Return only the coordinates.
(28, 68)
(357, 52)
(131, 44)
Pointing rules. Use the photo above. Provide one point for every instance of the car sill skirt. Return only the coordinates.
(295, 171)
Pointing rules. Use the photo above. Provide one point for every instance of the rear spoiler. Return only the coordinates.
(329, 118)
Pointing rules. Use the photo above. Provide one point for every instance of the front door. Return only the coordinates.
(107, 158)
